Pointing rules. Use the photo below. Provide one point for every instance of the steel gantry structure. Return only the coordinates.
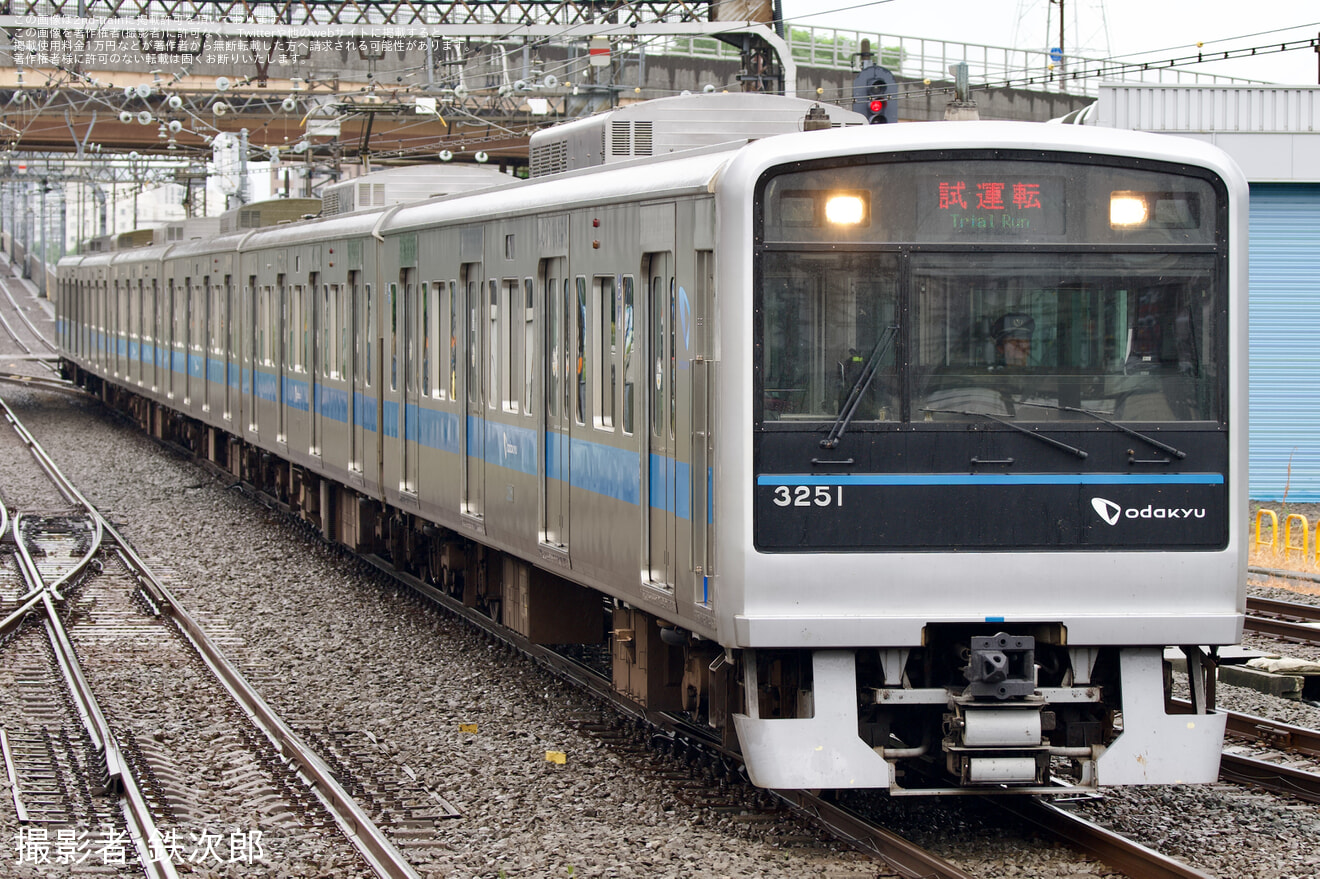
(362, 79)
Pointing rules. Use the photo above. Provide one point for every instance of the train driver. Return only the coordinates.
(1012, 334)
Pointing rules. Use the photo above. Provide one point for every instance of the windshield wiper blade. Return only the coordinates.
(1020, 429)
(1163, 447)
(859, 387)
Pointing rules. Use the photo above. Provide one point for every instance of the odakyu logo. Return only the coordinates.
(1112, 512)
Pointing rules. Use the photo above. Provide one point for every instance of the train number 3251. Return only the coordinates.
(805, 496)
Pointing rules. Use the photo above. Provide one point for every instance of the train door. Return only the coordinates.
(208, 339)
(281, 331)
(317, 353)
(256, 302)
(172, 304)
(558, 413)
(661, 459)
(188, 338)
(227, 339)
(409, 384)
(115, 328)
(136, 327)
(356, 370)
(155, 334)
(472, 425)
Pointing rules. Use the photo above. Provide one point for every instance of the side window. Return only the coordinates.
(553, 347)
(605, 385)
(473, 335)
(528, 347)
(580, 350)
(512, 339)
(658, 314)
(369, 367)
(629, 362)
(454, 330)
(392, 306)
(494, 338)
(327, 332)
(430, 339)
(410, 330)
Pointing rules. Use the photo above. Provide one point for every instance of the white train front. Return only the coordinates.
(903, 452)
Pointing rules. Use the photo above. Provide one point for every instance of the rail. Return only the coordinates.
(1113, 849)
(1283, 619)
(379, 853)
(32, 328)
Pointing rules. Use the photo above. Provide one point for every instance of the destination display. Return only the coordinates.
(1003, 207)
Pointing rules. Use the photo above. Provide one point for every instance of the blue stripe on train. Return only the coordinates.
(990, 479)
(595, 467)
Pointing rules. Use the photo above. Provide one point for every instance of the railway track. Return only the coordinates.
(1286, 620)
(86, 752)
(48, 358)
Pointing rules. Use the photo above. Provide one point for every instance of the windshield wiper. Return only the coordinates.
(849, 407)
(1031, 433)
(1163, 447)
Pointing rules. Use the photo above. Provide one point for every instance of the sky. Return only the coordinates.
(1163, 28)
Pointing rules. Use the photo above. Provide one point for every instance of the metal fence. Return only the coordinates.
(922, 58)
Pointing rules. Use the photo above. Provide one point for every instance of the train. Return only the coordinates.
(907, 457)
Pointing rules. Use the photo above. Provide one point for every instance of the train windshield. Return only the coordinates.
(1022, 290)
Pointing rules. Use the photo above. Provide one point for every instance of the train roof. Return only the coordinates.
(662, 177)
(987, 135)
(354, 225)
(390, 186)
(663, 126)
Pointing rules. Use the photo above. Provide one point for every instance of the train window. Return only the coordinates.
(259, 325)
(283, 319)
(528, 347)
(429, 336)
(605, 386)
(392, 306)
(629, 362)
(411, 327)
(553, 348)
(301, 309)
(228, 336)
(673, 359)
(494, 339)
(209, 336)
(369, 306)
(565, 305)
(473, 331)
(512, 339)
(134, 320)
(453, 340)
(658, 347)
(326, 355)
(824, 315)
(344, 305)
(581, 358)
(289, 316)
(1128, 336)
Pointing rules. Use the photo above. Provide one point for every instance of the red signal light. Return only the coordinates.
(877, 106)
